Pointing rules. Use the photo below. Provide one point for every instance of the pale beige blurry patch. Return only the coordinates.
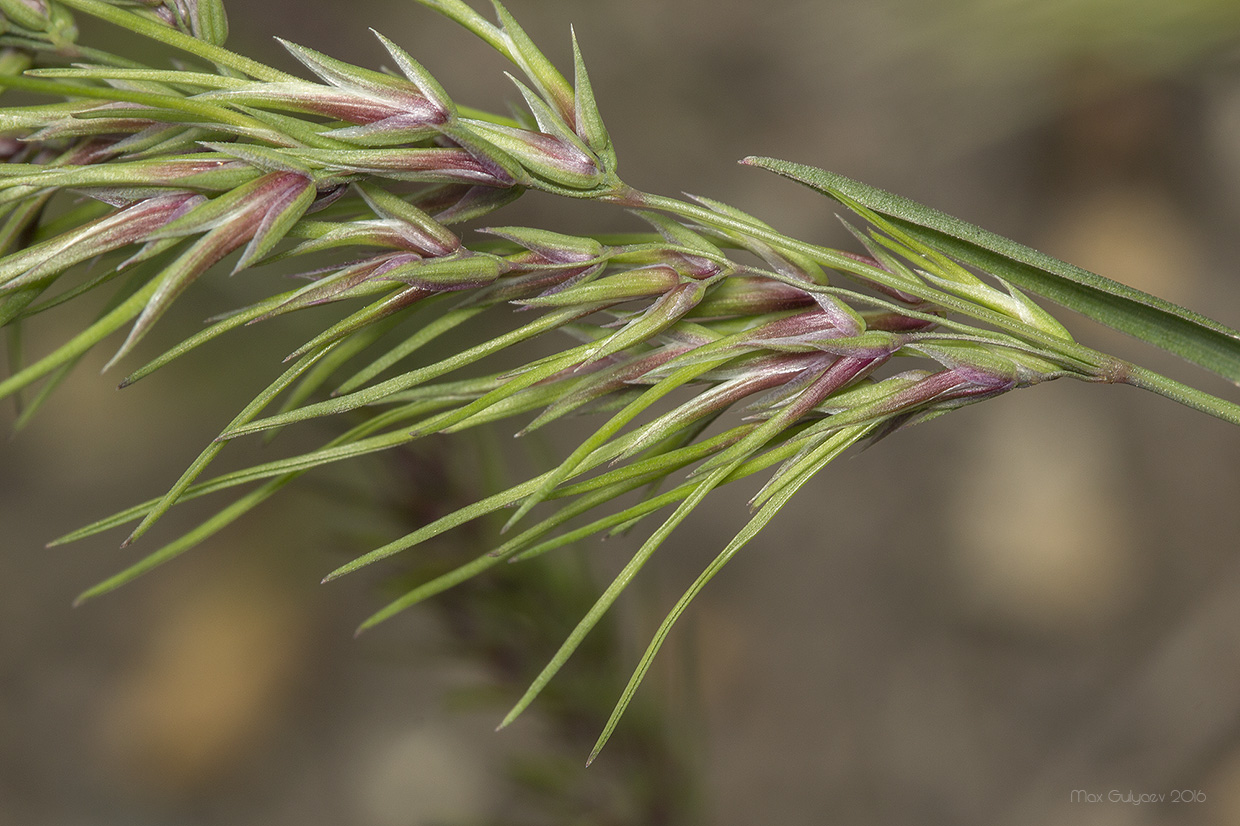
(1221, 788)
(425, 774)
(212, 676)
(1038, 527)
(1222, 130)
(1131, 233)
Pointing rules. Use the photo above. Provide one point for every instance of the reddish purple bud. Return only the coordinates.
(935, 392)
(453, 203)
(401, 126)
(71, 127)
(404, 115)
(798, 332)
(447, 165)
(541, 282)
(797, 372)
(10, 148)
(259, 212)
(551, 247)
(610, 378)
(841, 373)
(387, 109)
(544, 156)
(174, 170)
(388, 232)
(845, 318)
(340, 284)
(744, 295)
(784, 371)
(895, 322)
(130, 225)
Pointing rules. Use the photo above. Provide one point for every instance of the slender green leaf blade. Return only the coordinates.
(821, 457)
(1176, 329)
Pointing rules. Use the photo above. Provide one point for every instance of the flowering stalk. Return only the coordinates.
(164, 173)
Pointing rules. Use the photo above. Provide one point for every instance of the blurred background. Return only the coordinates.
(963, 625)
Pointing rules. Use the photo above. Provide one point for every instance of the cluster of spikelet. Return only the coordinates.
(157, 175)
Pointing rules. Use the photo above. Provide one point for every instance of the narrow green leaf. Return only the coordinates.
(612, 427)
(787, 261)
(446, 523)
(526, 379)
(327, 367)
(605, 487)
(378, 392)
(177, 39)
(424, 335)
(83, 341)
(349, 445)
(346, 75)
(13, 306)
(679, 234)
(529, 398)
(395, 301)
(217, 329)
(621, 521)
(613, 591)
(820, 459)
(179, 546)
(62, 373)
(430, 589)
(170, 283)
(1189, 335)
(194, 80)
(212, 450)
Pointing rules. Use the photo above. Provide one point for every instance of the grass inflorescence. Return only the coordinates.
(711, 348)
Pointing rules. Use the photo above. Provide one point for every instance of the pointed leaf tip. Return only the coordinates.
(418, 75)
(541, 72)
(589, 122)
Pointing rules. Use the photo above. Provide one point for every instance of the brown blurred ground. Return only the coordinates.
(960, 626)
